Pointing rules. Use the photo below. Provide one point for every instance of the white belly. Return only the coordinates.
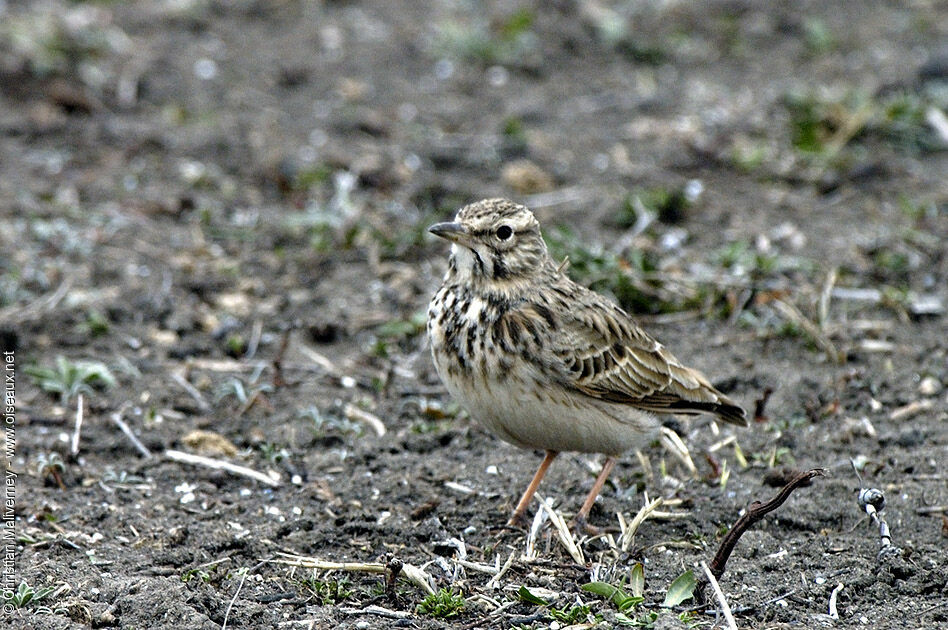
(528, 415)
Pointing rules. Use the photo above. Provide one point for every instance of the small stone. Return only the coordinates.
(497, 76)
(926, 306)
(205, 69)
(105, 619)
(856, 427)
(929, 386)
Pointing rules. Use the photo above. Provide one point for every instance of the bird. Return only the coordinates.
(543, 362)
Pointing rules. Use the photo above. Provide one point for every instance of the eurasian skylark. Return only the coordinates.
(546, 363)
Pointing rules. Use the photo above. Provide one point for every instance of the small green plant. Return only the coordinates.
(681, 589)
(569, 614)
(396, 331)
(749, 155)
(815, 122)
(740, 258)
(210, 573)
(917, 210)
(51, 465)
(236, 345)
(25, 595)
(306, 179)
(901, 121)
(96, 323)
(327, 592)
(199, 572)
(667, 204)
(822, 126)
(817, 36)
(605, 271)
(245, 394)
(777, 456)
(399, 237)
(274, 453)
(325, 423)
(788, 423)
(514, 134)
(623, 601)
(425, 427)
(120, 476)
(329, 224)
(503, 42)
(445, 604)
(70, 378)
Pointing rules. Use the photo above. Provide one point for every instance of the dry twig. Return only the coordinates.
(792, 314)
(412, 573)
(234, 598)
(378, 611)
(74, 443)
(255, 334)
(362, 416)
(628, 532)
(203, 405)
(725, 607)
(124, 428)
(219, 464)
(674, 445)
(494, 582)
(833, 612)
(755, 512)
(562, 531)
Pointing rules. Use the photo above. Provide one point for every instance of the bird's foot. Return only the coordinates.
(580, 526)
(518, 521)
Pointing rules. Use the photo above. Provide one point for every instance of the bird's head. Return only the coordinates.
(495, 240)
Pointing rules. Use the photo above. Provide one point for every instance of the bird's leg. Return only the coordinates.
(579, 521)
(524, 502)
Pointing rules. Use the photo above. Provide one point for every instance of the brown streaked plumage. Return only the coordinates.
(544, 362)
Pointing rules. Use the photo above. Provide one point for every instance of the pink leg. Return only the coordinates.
(607, 467)
(524, 502)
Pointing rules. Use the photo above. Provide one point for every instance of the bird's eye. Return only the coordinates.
(504, 232)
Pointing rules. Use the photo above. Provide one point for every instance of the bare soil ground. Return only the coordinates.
(213, 228)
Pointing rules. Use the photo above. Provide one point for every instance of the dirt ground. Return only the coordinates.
(213, 230)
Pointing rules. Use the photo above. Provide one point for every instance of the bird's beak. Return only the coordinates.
(451, 230)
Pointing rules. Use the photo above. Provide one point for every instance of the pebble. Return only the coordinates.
(929, 386)
(443, 69)
(205, 69)
(497, 76)
(926, 305)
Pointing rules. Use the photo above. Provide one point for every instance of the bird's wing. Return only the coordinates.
(598, 350)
